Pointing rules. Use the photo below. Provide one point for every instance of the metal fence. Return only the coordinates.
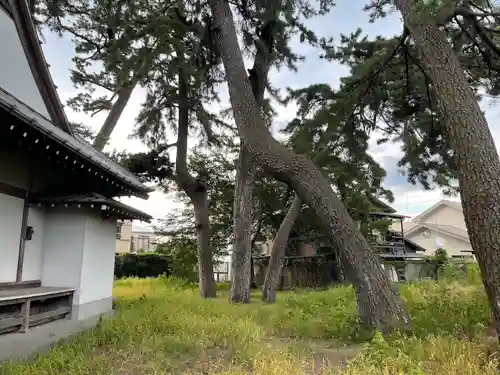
(425, 269)
(302, 271)
(221, 272)
(324, 270)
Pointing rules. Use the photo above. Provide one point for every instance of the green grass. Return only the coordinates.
(163, 327)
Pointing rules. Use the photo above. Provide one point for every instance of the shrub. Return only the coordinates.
(182, 252)
(467, 273)
(141, 265)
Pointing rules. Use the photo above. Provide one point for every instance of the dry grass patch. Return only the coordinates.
(163, 327)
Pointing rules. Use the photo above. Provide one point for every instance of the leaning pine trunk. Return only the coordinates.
(114, 115)
(242, 219)
(379, 305)
(243, 197)
(278, 251)
(468, 134)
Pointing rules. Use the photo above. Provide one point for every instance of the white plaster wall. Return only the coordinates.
(14, 171)
(98, 259)
(79, 252)
(15, 73)
(447, 216)
(452, 245)
(11, 213)
(32, 265)
(63, 245)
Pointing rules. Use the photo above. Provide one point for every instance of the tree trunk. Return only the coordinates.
(245, 178)
(197, 192)
(114, 115)
(468, 134)
(379, 304)
(253, 284)
(242, 219)
(278, 252)
(205, 254)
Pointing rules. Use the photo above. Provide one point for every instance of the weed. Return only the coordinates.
(162, 326)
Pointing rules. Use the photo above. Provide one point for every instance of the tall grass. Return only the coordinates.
(162, 326)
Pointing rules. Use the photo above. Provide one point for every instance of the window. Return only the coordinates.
(427, 233)
(119, 231)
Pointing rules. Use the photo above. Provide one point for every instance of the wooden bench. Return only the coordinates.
(23, 308)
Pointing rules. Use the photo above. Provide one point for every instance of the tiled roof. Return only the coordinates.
(111, 206)
(72, 143)
(58, 126)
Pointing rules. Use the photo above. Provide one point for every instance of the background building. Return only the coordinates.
(129, 239)
(441, 226)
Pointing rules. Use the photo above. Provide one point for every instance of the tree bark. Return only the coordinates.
(253, 283)
(197, 192)
(242, 221)
(245, 177)
(468, 135)
(204, 247)
(378, 304)
(278, 251)
(114, 115)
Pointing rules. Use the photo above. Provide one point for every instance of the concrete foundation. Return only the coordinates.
(92, 309)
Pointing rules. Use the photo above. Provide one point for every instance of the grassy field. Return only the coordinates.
(163, 327)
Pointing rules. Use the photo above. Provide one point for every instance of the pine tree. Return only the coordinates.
(378, 304)
(112, 52)
(266, 28)
(179, 88)
(166, 49)
(343, 157)
(467, 133)
(424, 91)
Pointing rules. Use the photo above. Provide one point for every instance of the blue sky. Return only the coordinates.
(346, 17)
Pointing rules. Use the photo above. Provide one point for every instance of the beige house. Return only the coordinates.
(130, 240)
(440, 226)
(123, 236)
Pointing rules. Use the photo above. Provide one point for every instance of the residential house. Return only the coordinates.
(222, 268)
(130, 240)
(386, 243)
(123, 236)
(143, 240)
(440, 226)
(57, 212)
(316, 264)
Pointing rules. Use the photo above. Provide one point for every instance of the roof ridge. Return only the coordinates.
(440, 226)
(451, 226)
